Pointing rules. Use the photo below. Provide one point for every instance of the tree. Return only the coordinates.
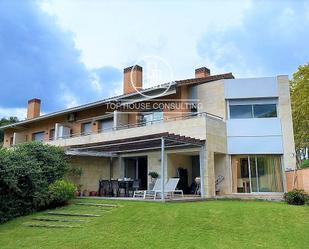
(5, 121)
(300, 108)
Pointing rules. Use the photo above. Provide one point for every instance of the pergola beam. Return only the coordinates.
(162, 168)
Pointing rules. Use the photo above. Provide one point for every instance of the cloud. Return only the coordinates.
(39, 59)
(272, 40)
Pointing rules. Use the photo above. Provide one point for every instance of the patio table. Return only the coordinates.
(126, 185)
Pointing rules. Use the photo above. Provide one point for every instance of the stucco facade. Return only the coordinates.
(211, 121)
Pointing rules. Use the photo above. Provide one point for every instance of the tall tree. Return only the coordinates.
(300, 107)
(5, 121)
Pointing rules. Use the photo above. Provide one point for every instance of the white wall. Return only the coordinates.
(251, 88)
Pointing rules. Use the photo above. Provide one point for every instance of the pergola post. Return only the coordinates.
(162, 167)
(202, 166)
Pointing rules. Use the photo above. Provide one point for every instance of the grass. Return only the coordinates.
(210, 224)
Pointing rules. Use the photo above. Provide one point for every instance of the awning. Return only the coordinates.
(134, 144)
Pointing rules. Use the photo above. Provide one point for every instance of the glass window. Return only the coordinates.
(241, 111)
(151, 117)
(52, 134)
(269, 172)
(38, 136)
(86, 128)
(265, 111)
(106, 125)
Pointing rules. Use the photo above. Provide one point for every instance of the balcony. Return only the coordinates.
(192, 125)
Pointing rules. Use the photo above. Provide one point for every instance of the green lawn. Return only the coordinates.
(210, 224)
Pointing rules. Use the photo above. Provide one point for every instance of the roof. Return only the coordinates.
(147, 142)
(178, 83)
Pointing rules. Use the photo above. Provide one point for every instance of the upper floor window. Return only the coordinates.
(148, 118)
(86, 128)
(38, 136)
(106, 124)
(252, 110)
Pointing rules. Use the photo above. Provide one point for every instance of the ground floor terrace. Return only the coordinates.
(118, 168)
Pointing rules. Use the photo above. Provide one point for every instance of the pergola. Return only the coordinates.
(159, 141)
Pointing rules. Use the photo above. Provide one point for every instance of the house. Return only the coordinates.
(206, 126)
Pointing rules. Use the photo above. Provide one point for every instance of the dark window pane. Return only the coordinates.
(86, 128)
(265, 111)
(39, 136)
(241, 111)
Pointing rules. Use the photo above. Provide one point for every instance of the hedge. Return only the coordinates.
(26, 172)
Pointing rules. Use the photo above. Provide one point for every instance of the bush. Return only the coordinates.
(26, 171)
(60, 192)
(305, 164)
(296, 197)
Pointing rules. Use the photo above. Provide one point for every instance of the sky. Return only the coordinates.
(70, 52)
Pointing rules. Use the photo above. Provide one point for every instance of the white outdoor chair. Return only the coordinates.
(143, 193)
(169, 189)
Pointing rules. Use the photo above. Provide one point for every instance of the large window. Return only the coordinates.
(253, 111)
(86, 128)
(148, 118)
(38, 136)
(106, 125)
(261, 173)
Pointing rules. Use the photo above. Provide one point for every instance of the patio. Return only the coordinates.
(126, 169)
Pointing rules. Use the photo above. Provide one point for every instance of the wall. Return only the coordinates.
(93, 169)
(251, 88)
(285, 113)
(174, 161)
(215, 143)
(222, 168)
(211, 98)
(301, 177)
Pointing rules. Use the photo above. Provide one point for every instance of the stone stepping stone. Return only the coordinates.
(72, 214)
(97, 204)
(51, 226)
(57, 220)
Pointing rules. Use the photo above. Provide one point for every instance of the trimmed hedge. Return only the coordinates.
(26, 171)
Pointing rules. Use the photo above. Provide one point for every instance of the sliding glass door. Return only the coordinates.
(257, 173)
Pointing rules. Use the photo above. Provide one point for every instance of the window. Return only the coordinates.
(86, 128)
(38, 136)
(241, 111)
(106, 125)
(253, 111)
(151, 117)
(265, 111)
(257, 173)
(52, 134)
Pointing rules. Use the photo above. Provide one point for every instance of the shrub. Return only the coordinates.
(153, 174)
(305, 164)
(26, 171)
(60, 192)
(296, 197)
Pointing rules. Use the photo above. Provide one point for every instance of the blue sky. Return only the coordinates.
(71, 52)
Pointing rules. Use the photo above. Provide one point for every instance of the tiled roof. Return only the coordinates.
(197, 81)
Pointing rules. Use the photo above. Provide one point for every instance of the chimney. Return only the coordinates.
(202, 72)
(34, 108)
(132, 79)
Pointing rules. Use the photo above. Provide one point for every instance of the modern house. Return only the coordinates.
(206, 126)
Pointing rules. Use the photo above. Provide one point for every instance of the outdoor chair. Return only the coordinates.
(169, 189)
(115, 188)
(143, 193)
(104, 189)
(219, 180)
